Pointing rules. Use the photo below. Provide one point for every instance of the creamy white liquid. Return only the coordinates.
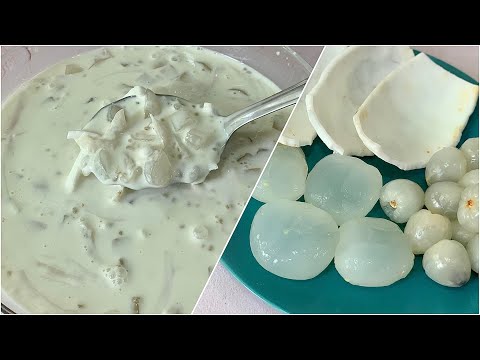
(146, 140)
(102, 248)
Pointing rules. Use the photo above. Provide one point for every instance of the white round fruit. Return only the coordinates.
(443, 198)
(400, 199)
(372, 252)
(470, 178)
(460, 234)
(447, 263)
(344, 186)
(293, 240)
(470, 150)
(467, 214)
(472, 250)
(425, 229)
(448, 164)
(284, 176)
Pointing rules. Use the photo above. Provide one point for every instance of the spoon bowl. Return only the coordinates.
(182, 143)
(243, 116)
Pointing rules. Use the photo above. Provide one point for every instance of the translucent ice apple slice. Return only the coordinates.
(284, 176)
(293, 240)
(372, 252)
(344, 186)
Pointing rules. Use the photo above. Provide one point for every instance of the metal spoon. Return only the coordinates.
(198, 171)
(264, 107)
(242, 117)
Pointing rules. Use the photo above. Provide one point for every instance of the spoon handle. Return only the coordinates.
(264, 107)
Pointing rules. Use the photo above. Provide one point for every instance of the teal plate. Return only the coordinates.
(328, 293)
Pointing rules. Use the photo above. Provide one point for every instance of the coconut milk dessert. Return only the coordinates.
(148, 140)
(119, 213)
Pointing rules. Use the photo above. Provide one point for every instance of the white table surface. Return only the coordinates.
(223, 293)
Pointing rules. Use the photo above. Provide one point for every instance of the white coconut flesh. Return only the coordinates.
(372, 252)
(344, 186)
(447, 263)
(342, 88)
(415, 111)
(299, 131)
(293, 240)
(284, 176)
